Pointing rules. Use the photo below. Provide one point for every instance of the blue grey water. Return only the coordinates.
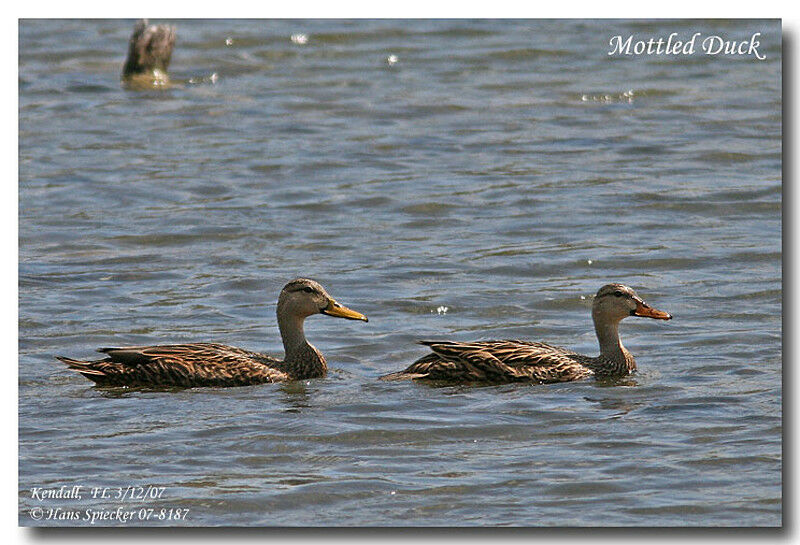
(450, 179)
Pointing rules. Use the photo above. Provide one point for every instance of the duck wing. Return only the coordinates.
(183, 365)
(496, 361)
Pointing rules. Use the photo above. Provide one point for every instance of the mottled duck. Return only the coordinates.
(523, 361)
(212, 364)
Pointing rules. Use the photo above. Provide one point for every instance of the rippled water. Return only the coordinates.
(484, 185)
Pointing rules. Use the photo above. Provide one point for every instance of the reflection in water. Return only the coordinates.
(119, 392)
(619, 406)
(629, 381)
(295, 396)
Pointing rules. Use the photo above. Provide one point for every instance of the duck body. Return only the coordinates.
(182, 365)
(213, 364)
(497, 361)
(524, 361)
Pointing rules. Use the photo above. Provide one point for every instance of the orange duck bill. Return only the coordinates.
(646, 311)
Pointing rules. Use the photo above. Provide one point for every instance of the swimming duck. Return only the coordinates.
(212, 364)
(149, 52)
(523, 361)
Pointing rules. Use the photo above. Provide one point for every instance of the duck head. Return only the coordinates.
(303, 298)
(614, 302)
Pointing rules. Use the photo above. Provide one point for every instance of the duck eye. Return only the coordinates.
(308, 290)
(618, 293)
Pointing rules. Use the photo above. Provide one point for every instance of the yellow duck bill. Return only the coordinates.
(341, 311)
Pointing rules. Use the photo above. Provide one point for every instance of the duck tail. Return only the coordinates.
(85, 368)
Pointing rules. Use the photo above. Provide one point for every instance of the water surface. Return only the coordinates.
(483, 185)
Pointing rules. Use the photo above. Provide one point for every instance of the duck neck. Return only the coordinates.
(614, 358)
(302, 360)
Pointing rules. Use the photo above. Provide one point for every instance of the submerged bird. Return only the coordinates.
(149, 52)
(523, 361)
(211, 364)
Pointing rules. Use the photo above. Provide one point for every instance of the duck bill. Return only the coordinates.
(646, 311)
(340, 311)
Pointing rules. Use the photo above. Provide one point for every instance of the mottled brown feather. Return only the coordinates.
(183, 365)
(497, 361)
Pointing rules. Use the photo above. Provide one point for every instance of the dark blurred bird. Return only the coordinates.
(149, 52)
